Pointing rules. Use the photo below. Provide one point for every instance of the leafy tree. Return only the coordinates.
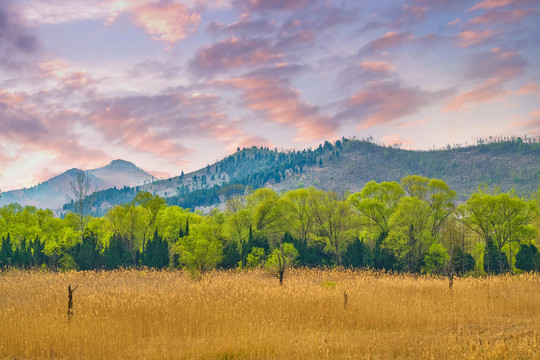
(376, 203)
(500, 218)
(298, 212)
(333, 223)
(435, 259)
(410, 233)
(126, 221)
(267, 214)
(281, 259)
(202, 249)
(256, 258)
(152, 205)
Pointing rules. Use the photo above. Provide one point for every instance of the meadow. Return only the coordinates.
(134, 314)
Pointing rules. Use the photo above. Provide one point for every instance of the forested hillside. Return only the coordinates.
(344, 165)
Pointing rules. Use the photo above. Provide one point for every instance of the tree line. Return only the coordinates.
(413, 226)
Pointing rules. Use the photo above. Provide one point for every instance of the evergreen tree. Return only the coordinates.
(383, 259)
(357, 254)
(493, 260)
(38, 253)
(6, 252)
(231, 256)
(22, 255)
(157, 252)
(87, 253)
(117, 254)
(463, 262)
(528, 258)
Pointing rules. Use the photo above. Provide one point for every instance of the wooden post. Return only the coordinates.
(345, 299)
(70, 302)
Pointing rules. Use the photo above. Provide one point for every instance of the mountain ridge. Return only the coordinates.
(54, 192)
(344, 165)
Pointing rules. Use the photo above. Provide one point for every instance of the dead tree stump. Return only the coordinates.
(70, 302)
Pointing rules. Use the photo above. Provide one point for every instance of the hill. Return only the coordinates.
(344, 165)
(54, 192)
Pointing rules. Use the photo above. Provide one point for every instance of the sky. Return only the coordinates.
(175, 85)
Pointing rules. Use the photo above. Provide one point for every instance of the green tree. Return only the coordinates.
(502, 218)
(152, 205)
(376, 203)
(333, 220)
(157, 252)
(117, 255)
(528, 258)
(281, 259)
(87, 253)
(410, 233)
(126, 221)
(6, 252)
(202, 249)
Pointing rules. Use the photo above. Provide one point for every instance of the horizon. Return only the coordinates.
(172, 86)
(369, 139)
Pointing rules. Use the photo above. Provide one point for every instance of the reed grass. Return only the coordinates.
(142, 314)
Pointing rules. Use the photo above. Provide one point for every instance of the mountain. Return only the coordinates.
(56, 191)
(344, 165)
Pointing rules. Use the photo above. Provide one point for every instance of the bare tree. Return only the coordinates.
(80, 188)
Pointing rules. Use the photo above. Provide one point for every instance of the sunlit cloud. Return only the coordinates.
(469, 38)
(383, 103)
(281, 104)
(502, 16)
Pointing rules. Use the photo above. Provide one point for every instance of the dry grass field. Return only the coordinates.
(247, 315)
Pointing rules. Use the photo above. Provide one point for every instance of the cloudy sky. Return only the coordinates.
(174, 85)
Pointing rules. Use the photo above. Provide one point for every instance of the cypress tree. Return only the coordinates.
(117, 255)
(87, 254)
(6, 252)
(38, 253)
(528, 258)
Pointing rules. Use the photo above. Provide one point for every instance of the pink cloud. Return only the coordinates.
(455, 21)
(49, 132)
(533, 124)
(490, 90)
(265, 5)
(233, 53)
(378, 67)
(383, 103)
(395, 139)
(528, 89)
(281, 104)
(388, 40)
(166, 21)
(468, 38)
(493, 4)
(493, 70)
(10, 98)
(502, 16)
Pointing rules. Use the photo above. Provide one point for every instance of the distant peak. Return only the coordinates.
(119, 163)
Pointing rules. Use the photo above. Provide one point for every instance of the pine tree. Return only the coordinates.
(6, 252)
